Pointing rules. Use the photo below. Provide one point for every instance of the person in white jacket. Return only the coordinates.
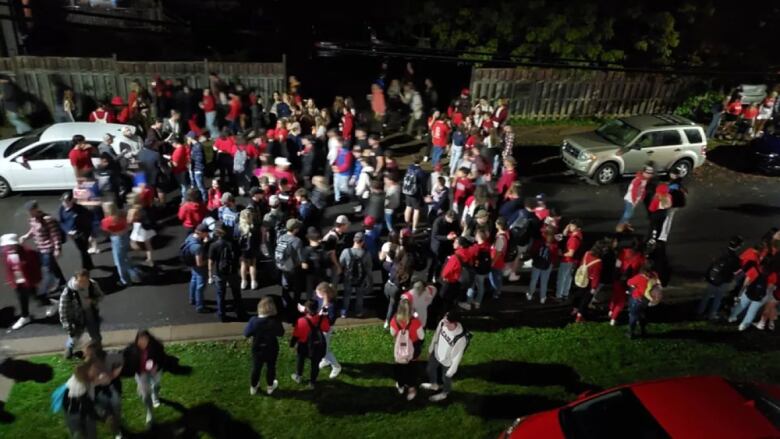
(444, 355)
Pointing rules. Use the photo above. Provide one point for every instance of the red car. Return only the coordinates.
(692, 407)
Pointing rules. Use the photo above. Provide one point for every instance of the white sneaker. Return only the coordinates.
(149, 417)
(52, 310)
(386, 325)
(528, 296)
(21, 322)
(441, 396)
(430, 386)
(612, 322)
(514, 277)
(609, 314)
(399, 388)
(543, 300)
(253, 390)
(93, 251)
(270, 389)
(254, 284)
(464, 306)
(155, 401)
(335, 371)
(411, 394)
(243, 284)
(743, 326)
(732, 319)
(241, 191)
(297, 378)
(771, 325)
(760, 325)
(324, 363)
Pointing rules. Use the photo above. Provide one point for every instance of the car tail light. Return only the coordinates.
(704, 150)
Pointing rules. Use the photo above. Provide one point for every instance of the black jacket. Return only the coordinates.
(132, 357)
(265, 333)
(440, 245)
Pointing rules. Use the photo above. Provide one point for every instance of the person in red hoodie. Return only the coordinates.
(452, 273)
(303, 330)
(180, 164)
(233, 117)
(23, 274)
(80, 156)
(347, 125)
(214, 201)
(641, 286)
(209, 106)
(592, 263)
(573, 235)
(463, 188)
(192, 211)
(629, 260)
(508, 176)
(440, 137)
(634, 195)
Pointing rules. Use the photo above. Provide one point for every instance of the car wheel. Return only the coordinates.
(606, 173)
(5, 188)
(683, 167)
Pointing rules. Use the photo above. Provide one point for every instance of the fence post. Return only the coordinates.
(117, 79)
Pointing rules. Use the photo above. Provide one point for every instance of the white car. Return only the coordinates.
(39, 160)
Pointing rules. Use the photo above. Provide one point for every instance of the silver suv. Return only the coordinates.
(623, 146)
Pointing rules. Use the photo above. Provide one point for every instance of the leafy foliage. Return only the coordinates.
(697, 106)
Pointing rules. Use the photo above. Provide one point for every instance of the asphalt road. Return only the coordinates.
(721, 203)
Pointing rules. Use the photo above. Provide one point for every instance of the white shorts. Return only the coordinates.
(764, 114)
(139, 234)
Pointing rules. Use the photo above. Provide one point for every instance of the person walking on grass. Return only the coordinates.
(249, 245)
(145, 358)
(634, 195)
(23, 273)
(358, 277)
(445, 354)
(308, 339)
(265, 330)
(223, 271)
(325, 295)
(408, 334)
(79, 310)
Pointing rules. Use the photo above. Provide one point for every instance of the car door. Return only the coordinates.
(43, 166)
(635, 155)
(666, 146)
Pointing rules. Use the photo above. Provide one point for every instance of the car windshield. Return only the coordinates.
(617, 132)
(28, 139)
(768, 405)
(610, 415)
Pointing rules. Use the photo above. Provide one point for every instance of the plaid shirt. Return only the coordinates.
(46, 233)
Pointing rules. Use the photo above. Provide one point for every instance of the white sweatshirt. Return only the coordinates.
(448, 353)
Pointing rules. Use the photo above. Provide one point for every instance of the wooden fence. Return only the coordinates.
(102, 78)
(537, 93)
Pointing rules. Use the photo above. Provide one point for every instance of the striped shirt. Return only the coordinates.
(46, 233)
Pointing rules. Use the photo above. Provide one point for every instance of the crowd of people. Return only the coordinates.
(735, 120)
(255, 187)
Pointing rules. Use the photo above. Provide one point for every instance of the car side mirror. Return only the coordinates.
(22, 160)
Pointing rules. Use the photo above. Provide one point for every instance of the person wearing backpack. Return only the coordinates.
(314, 261)
(413, 188)
(193, 254)
(273, 223)
(399, 275)
(223, 271)
(445, 353)
(588, 279)
(719, 277)
(498, 252)
(544, 256)
(308, 339)
(630, 258)
(760, 283)
(265, 330)
(358, 276)
(244, 158)
(79, 310)
(455, 273)
(483, 263)
(408, 334)
(524, 229)
(573, 235)
(288, 259)
(78, 404)
(325, 295)
(640, 288)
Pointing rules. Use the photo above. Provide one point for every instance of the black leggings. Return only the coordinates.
(303, 355)
(264, 358)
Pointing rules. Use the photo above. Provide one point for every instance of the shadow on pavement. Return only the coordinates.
(753, 209)
(732, 157)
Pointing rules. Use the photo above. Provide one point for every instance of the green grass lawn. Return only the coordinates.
(505, 374)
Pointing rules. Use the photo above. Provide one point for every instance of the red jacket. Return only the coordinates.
(440, 133)
(114, 225)
(235, 109)
(572, 243)
(192, 213)
(638, 284)
(214, 199)
(302, 329)
(181, 158)
(81, 158)
(594, 270)
(464, 187)
(508, 177)
(226, 145)
(630, 259)
(636, 190)
(347, 125)
(453, 267)
(28, 263)
(209, 104)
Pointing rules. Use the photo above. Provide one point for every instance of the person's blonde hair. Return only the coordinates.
(110, 209)
(266, 307)
(246, 221)
(327, 290)
(404, 313)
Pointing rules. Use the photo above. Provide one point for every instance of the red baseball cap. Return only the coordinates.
(369, 221)
(465, 91)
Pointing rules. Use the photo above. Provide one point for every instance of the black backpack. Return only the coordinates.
(227, 259)
(409, 186)
(357, 272)
(520, 229)
(718, 271)
(245, 242)
(316, 344)
(542, 259)
(484, 262)
(757, 289)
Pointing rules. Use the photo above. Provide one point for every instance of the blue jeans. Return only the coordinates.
(537, 275)
(628, 212)
(19, 124)
(51, 274)
(197, 285)
(479, 283)
(389, 220)
(126, 271)
(714, 292)
(456, 152)
(340, 185)
(563, 285)
(712, 128)
(637, 310)
(211, 119)
(752, 306)
(436, 155)
(329, 357)
(359, 292)
(496, 281)
(221, 284)
(181, 180)
(197, 181)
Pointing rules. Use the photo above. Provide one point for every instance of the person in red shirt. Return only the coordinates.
(300, 340)
(451, 272)
(746, 126)
(440, 136)
(233, 118)
(629, 261)
(80, 156)
(463, 188)
(733, 111)
(114, 223)
(209, 106)
(406, 323)
(592, 263)
(481, 255)
(573, 235)
(101, 114)
(347, 124)
(499, 251)
(224, 147)
(642, 286)
(180, 162)
(214, 201)
(508, 176)
(193, 211)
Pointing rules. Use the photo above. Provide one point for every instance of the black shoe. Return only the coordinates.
(203, 310)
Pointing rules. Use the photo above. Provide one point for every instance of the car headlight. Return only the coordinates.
(564, 144)
(586, 156)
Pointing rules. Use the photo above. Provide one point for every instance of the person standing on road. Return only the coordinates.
(288, 260)
(445, 354)
(197, 163)
(265, 330)
(223, 272)
(573, 235)
(23, 273)
(76, 222)
(592, 265)
(408, 334)
(48, 239)
(325, 295)
(545, 254)
(679, 198)
(193, 253)
(115, 224)
(658, 209)
(719, 276)
(358, 277)
(192, 211)
(145, 358)
(634, 195)
(413, 188)
(249, 244)
(79, 310)
(309, 341)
